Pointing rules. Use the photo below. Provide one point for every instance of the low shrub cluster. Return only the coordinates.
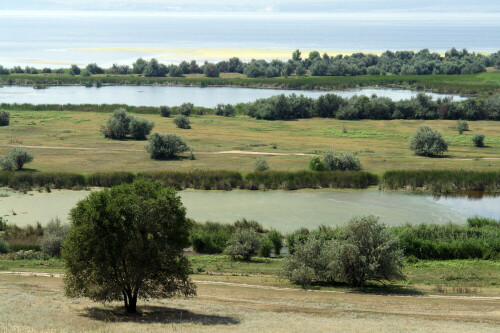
(120, 125)
(363, 250)
(332, 161)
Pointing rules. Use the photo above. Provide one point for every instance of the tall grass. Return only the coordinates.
(442, 181)
(467, 84)
(200, 179)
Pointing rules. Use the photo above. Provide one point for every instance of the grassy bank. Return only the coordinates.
(464, 84)
(442, 181)
(200, 179)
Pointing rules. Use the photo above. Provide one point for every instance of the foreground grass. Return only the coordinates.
(466, 84)
(56, 139)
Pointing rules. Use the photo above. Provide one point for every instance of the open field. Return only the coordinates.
(466, 84)
(252, 303)
(71, 142)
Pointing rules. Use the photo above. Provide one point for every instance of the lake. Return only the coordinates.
(58, 39)
(173, 96)
(285, 211)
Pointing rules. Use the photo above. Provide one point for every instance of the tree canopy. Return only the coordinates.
(126, 243)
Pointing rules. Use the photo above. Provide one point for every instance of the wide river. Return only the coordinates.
(172, 96)
(283, 210)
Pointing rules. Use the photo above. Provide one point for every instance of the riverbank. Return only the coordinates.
(470, 84)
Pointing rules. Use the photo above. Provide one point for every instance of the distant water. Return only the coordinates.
(50, 40)
(172, 96)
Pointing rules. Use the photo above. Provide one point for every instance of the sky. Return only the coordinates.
(278, 6)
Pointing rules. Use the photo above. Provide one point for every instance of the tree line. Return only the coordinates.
(423, 62)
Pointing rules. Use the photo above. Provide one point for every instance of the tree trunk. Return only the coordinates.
(130, 302)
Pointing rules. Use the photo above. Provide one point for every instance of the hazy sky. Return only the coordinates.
(258, 5)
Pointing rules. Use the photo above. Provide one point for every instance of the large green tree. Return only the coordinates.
(126, 243)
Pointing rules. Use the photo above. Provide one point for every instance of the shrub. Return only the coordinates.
(478, 140)
(347, 161)
(185, 109)
(211, 70)
(4, 247)
(16, 159)
(261, 164)
(275, 238)
(163, 147)
(462, 126)
(54, 235)
(428, 142)
(165, 111)
(315, 164)
(140, 128)
(225, 110)
(30, 255)
(182, 121)
(265, 248)
(363, 250)
(243, 244)
(118, 125)
(210, 237)
(4, 118)
(74, 70)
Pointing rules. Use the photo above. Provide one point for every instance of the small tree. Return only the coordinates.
(4, 118)
(478, 140)
(163, 147)
(165, 111)
(462, 126)
(74, 70)
(182, 121)
(118, 126)
(344, 162)
(261, 164)
(428, 142)
(54, 235)
(211, 70)
(140, 128)
(185, 109)
(300, 70)
(127, 242)
(16, 159)
(244, 244)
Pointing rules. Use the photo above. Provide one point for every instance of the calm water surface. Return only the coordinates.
(56, 39)
(172, 96)
(283, 210)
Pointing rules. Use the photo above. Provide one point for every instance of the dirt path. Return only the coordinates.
(254, 286)
(241, 152)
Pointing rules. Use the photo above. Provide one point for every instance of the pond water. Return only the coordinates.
(172, 96)
(283, 210)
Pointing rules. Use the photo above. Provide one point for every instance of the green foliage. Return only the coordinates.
(428, 142)
(210, 237)
(479, 239)
(140, 128)
(211, 70)
(363, 251)
(243, 244)
(54, 235)
(225, 110)
(139, 66)
(182, 121)
(296, 55)
(22, 238)
(185, 109)
(118, 125)
(276, 240)
(4, 118)
(462, 126)
(74, 70)
(165, 111)
(16, 159)
(478, 140)
(165, 146)
(94, 69)
(316, 164)
(342, 161)
(265, 248)
(261, 164)
(121, 124)
(128, 242)
(442, 181)
(4, 247)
